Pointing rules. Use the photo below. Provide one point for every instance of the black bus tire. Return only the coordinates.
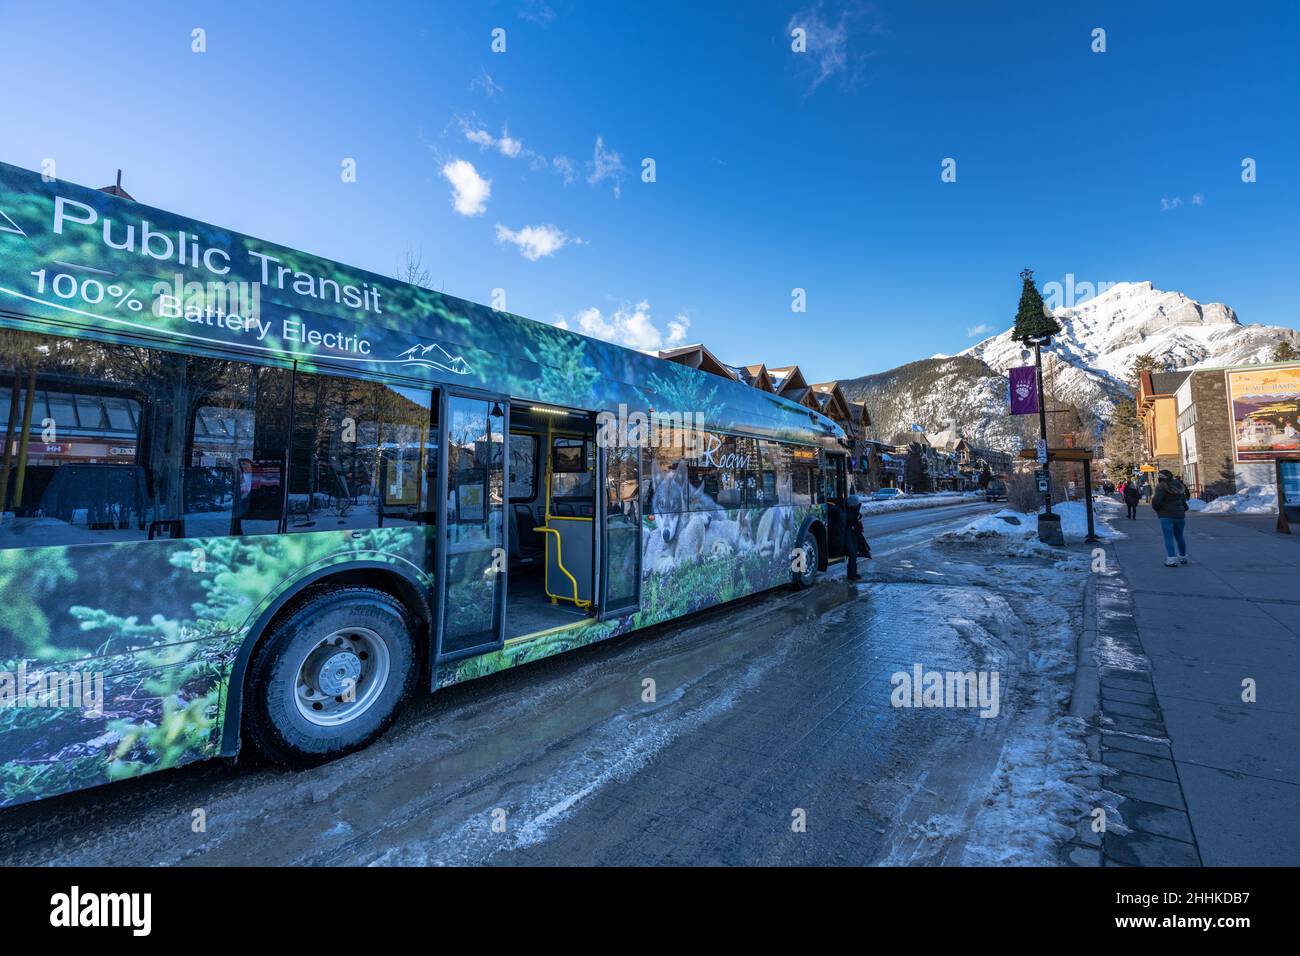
(338, 637)
(808, 545)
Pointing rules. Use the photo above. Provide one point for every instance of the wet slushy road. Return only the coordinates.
(771, 711)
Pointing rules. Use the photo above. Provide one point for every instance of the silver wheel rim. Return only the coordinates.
(341, 677)
(810, 561)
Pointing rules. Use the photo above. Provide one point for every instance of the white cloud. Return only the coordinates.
(563, 166)
(469, 190)
(982, 329)
(506, 145)
(1198, 199)
(536, 242)
(629, 325)
(509, 147)
(512, 148)
(605, 164)
(832, 37)
(485, 83)
(537, 11)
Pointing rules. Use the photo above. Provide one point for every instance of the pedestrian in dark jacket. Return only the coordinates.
(854, 539)
(1170, 503)
(1131, 498)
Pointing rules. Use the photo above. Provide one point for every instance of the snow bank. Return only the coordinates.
(912, 504)
(1195, 504)
(1074, 521)
(1255, 500)
(1016, 524)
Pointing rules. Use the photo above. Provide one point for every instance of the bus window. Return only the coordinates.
(724, 473)
(665, 464)
(359, 454)
(234, 478)
(107, 442)
(407, 452)
(573, 477)
(523, 466)
(794, 476)
(769, 455)
(833, 480)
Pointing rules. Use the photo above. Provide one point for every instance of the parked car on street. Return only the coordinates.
(996, 490)
(888, 494)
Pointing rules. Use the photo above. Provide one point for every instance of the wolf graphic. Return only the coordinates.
(680, 533)
(775, 531)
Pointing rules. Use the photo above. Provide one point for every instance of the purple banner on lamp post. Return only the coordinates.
(1024, 390)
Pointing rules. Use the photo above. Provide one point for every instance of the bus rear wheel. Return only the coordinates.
(803, 571)
(330, 676)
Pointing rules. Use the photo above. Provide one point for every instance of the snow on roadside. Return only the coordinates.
(911, 504)
(1255, 500)
(1044, 786)
(1024, 801)
(1023, 526)
(1045, 782)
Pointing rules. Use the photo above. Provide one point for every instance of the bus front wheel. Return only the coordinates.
(330, 676)
(803, 561)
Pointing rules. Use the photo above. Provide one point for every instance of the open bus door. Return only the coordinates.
(835, 494)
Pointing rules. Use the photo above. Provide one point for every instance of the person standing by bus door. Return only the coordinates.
(855, 543)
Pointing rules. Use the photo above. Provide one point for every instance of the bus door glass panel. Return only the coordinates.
(622, 547)
(474, 582)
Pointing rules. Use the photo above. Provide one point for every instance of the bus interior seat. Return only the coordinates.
(529, 542)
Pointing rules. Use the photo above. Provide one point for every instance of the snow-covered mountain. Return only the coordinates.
(1086, 366)
(1103, 336)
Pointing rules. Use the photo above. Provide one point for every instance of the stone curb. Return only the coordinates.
(1114, 676)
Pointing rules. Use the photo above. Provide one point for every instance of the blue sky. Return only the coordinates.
(775, 170)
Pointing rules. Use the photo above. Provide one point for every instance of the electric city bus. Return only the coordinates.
(248, 495)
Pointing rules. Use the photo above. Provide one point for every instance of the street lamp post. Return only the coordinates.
(1042, 419)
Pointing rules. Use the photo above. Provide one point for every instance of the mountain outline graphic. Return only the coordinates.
(418, 355)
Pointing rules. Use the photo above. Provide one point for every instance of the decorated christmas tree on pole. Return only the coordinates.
(1034, 324)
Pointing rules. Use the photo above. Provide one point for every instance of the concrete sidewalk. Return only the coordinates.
(1231, 614)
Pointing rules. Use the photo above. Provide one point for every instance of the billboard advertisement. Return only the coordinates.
(1264, 405)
